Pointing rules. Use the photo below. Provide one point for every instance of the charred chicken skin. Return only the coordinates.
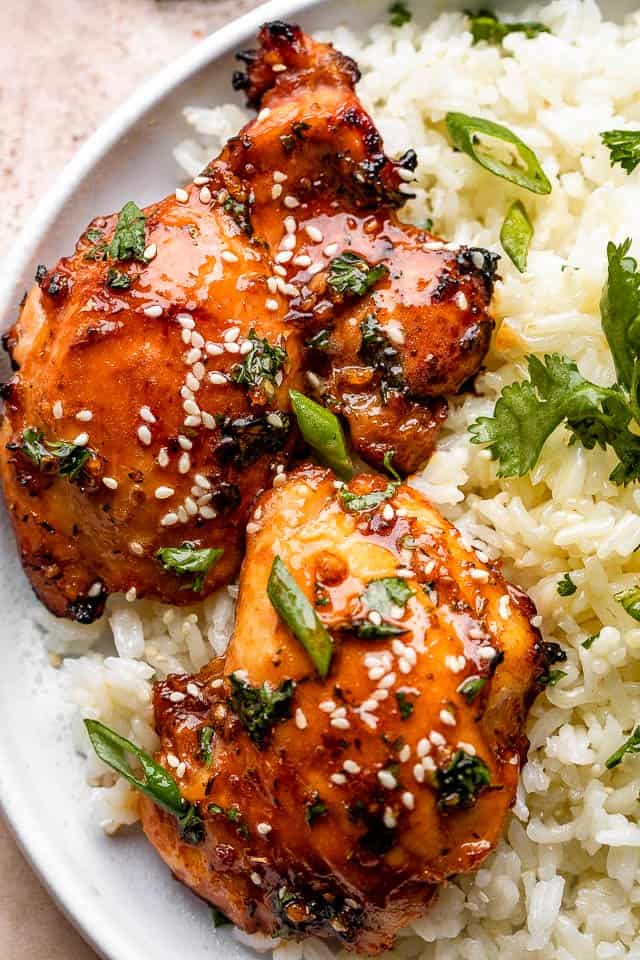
(150, 400)
(335, 806)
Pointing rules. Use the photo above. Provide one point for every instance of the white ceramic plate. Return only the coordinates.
(116, 891)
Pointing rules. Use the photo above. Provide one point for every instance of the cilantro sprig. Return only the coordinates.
(187, 559)
(527, 412)
(352, 275)
(624, 147)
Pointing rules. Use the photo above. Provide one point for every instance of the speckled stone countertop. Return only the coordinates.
(64, 66)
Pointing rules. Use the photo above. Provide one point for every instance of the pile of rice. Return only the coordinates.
(565, 881)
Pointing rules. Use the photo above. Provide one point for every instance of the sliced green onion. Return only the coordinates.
(158, 785)
(630, 600)
(321, 429)
(293, 607)
(516, 234)
(465, 133)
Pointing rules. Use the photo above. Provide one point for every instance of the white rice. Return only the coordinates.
(565, 881)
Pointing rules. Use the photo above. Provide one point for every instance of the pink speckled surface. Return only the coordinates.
(64, 66)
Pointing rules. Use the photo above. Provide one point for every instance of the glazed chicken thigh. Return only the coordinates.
(334, 801)
(150, 400)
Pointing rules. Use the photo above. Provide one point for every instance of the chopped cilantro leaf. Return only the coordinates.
(399, 14)
(314, 809)
(484, 25)
(632, 745)
(187, 559)
(384, 594)
(565, 586)
(69, 458)
(362, 503)
(351, 274)
(471, 687)
(405, 706)
(260, 366)
(460, 781)
(377, 351)
(624, 147)
(118, 279)
(630, 600)
(589, 642)
(260, 708)
(128, 241)
(205, 740)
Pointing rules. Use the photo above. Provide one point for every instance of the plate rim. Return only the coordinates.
(66, 890)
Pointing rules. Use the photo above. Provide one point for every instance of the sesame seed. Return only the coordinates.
(217, 379)
(375, 618)
(429, 764)
(205, 195)
(172, 760)
(192, 382)
(485, 653)
(330, 249)
(84, 415)
(423, 748)
(197, 340)
(154, 311)
(461, 301)
(209, 420)
(256, 879)
(190, 406)
(476, 574)
(288, 242)
(208, 513)
(468, 747)
(146, 415)
(150, 251)
(405, 754)
(190, 506)
(370, 706)
(380, 694)
(246, 347)
(291, 202)
(387, 681)
(278, 67)
(185, 320)
(404, 666)
(192, 690)
(95, 589)
(184, 463)
(404, 572)
(131, 594)
(284, 256)
(388, 512)
(276, 191)
(418, 773)
(272, 284)
(181, 195)
(57, 410)
(340, 723)
(447, 718)
(390, 820)
(406, 175)
(252, 527)
(202, 481)
(327, 706)
(214, 349)
(437, 739)
(186, 336)
(279, 479)
(136, 548)
(81, 440)
(183, 516)
(290, 224)
(163, 493)
(264, 829)
(316, 268)
(350, 766)
(231, 334)
(176, 696)
(370, 719)
(387, 779)
(271, 304)
(338, 778)
(303, 260)
(110, 482)
(163, 457)
(264, 114)
(192, 356)
(503, 607)
(408, 800)
(313, 233)
(229, 256)
(376, 673)
(232, 347)
(199, 181)
(169, 519)
(455, 664)
(301, 720)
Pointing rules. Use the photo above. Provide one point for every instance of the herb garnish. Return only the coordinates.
(297, 612)
(484, 25)
(589, 642)
(632, 745)
(247, 438)
(261, 365)
(239, 211)
(188, 559)
(260, 708)
(205, 740)
(630, 600)
(460, 781)
(157, 784)
(128, 241)
(362, 503)
(322, 430)
(527, 412)
(553, 677)
(118, 280)
(388, 592)
(466, 135)
(377, 351)
(314, 809)
(351, 274)
(69, 458)
(515, 235)
(624, 147)
(399, 14)
(405, 706)
(471, 687)
(565, 586)
(368, 630)
(233, 814)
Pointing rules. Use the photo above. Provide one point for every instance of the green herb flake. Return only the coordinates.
(118, 280)
(459, 782)
(260, 366)
(187, 559)
(377, 351)
(321, 429)
(485, 26)
(367, 630)
(589, 642)
(630, 600)
(624, 147)
(515, 235)
(233, 815)
(399, 14)
(387, 462)
(405, 706)
(296, 611)
(128, 241)
(238, 210)
(471, 687)
(205, 742)
(260, 708)
(384, 594)
(68, 458)
(314, 809)
(350, 274)
(363, 503)
(476, 137)
(632, 745)
(552, 678)
(157, 784)
(565, 586)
